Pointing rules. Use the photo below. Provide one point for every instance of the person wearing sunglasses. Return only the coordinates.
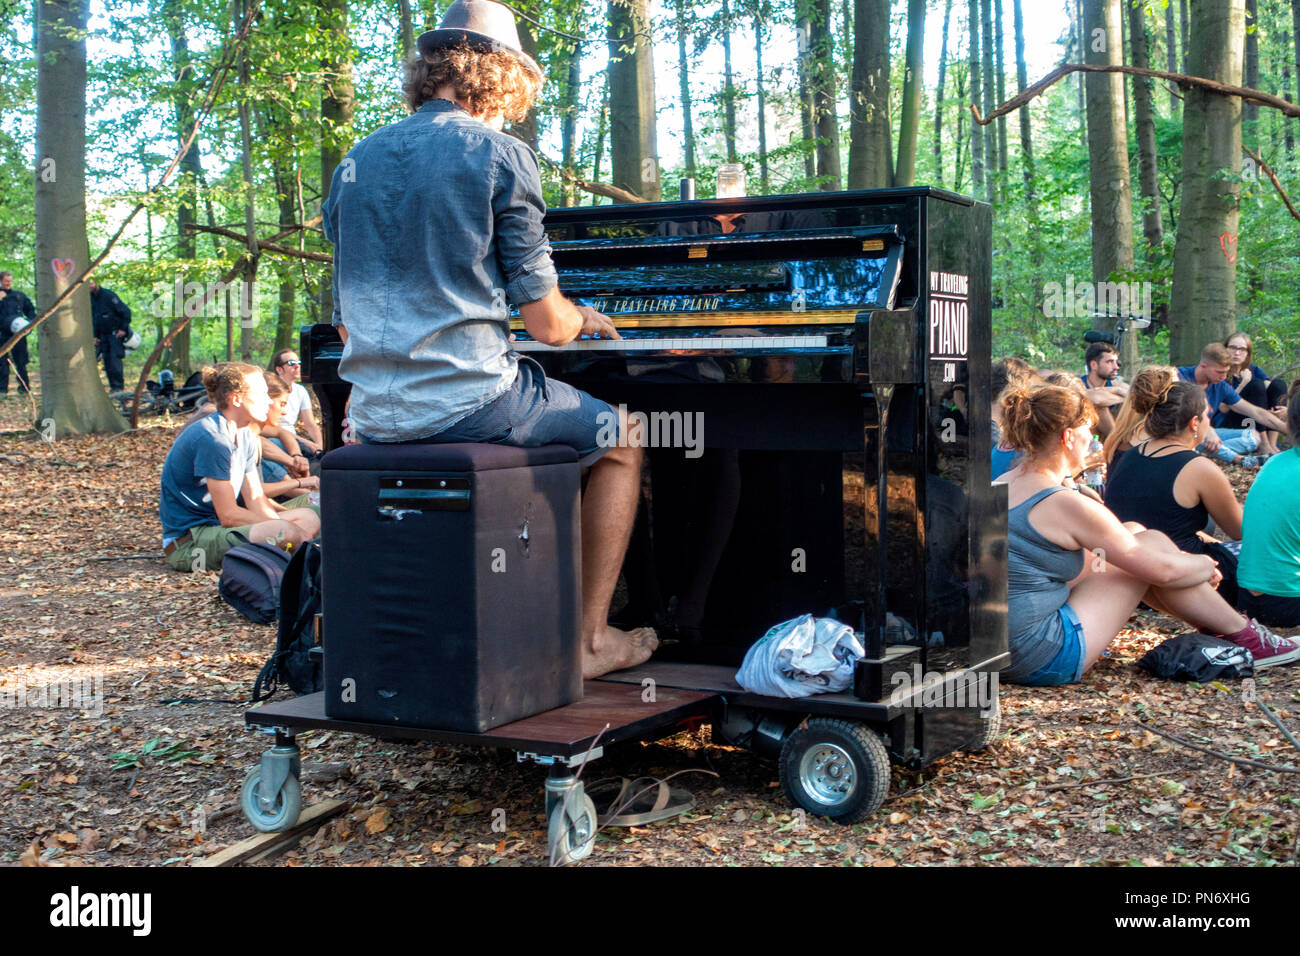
(298, 411)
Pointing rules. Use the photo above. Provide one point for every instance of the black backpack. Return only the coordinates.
(296, 661)
(250, 580)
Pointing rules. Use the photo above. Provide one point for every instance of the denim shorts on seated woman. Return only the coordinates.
(534, 411)
(1067, 666)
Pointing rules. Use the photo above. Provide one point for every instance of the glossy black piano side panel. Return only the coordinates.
(965, 516)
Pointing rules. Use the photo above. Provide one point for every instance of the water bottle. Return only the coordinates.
(1093, 477)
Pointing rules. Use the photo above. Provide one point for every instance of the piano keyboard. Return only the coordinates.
(698, 343)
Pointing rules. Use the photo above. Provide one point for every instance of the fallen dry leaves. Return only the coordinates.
(1072, 780)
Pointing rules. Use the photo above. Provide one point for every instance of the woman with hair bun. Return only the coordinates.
(1148, 385)
(1167, 486)
(1075, 572)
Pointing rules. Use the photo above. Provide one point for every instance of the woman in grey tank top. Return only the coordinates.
(1074, 572)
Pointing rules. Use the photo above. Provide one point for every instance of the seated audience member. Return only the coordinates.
(1166, 486)
(211, 464)
(1128, 430)
(1104, 390)
(1005, 371)
(286, 476)
(280, 448)
(288, 368)
(1075, 572)
(1231, 445)
(1254, 385)
(1269, 569)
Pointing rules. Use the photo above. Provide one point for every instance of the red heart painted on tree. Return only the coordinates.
(63, 269)
(1228, 243)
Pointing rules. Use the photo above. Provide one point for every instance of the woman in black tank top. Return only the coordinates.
(1164, 484)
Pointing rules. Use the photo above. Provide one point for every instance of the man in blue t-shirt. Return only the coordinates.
(1231, 445)
(211, 498)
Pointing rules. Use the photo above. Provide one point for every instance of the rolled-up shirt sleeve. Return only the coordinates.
(523, 251)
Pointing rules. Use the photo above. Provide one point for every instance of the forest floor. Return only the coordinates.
(154, 779)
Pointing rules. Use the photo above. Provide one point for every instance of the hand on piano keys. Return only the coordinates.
(596, 325)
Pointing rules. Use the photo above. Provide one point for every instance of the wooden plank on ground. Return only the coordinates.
(244, 850)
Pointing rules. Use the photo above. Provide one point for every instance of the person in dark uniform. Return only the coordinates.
(14, 305)
(112, 320)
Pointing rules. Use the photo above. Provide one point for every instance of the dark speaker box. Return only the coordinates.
(451, 583)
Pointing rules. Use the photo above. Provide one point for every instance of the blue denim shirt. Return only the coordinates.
(436, 223)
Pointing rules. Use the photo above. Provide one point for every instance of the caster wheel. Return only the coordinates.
(284, 814)
(572, 831)
(835, 768)
(990, 727)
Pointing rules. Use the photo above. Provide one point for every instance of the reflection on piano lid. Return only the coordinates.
(700, 343)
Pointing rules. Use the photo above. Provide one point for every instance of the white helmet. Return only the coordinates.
(17, 325)
(132, 341)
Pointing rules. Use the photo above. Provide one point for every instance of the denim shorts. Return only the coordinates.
(534, 411)
(1067, 666)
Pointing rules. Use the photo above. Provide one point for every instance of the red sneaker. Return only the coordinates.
(1266, 647)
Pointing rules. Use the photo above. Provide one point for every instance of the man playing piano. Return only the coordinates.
(436, 223)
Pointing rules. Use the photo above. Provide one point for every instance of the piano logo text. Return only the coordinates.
(652, 430)
(949, 315)
(694, 303)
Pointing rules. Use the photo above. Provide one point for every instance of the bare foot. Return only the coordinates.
(612, 649)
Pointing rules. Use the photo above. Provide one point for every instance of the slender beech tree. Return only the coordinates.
(1249, 111)
(762, 101)
(825, 121)
(999, 66)
(1203, 302)
(870, 149)
(938, 94)
(1110, 191)
(633, 144)
(1171, 55)
(183, 90)
(987, 83)
(728, 84)
(336, 106)
(684, 84)
(803, 33)
(910, 121)
(1026, 143)
(1144, 111)
(977, 180)
(73, 402)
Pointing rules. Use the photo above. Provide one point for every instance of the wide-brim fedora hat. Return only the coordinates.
(484, 25)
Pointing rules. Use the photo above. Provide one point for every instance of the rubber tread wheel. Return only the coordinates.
(571, 838)
(835, 768)
(288, 803)
(991, 727)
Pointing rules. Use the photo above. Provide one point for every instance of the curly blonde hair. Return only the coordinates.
(488, 82)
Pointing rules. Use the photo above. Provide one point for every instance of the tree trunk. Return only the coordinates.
(910, 122)
(683, 78)
(1286, 89)
(762, 106)
(990, 91)
(73, 402)
(938, 95)
(1171, 55)
(870, 150)
(191, 168)
(633, 146)
(1203, 304)
(999, 66)
(1249, 111)
(1110, 192)
(1026, 142)
(1144, 110)
(248, 317)
(1076, 9)
(728, 86)
(959, 160)
(335, 110)
(569, 124)
(977, 182)
(526, 128)
(1183, 24)
(825, 120)
(602, 126)
(803, 34)
(408, 30)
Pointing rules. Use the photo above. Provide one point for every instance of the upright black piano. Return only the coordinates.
(814, 371)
